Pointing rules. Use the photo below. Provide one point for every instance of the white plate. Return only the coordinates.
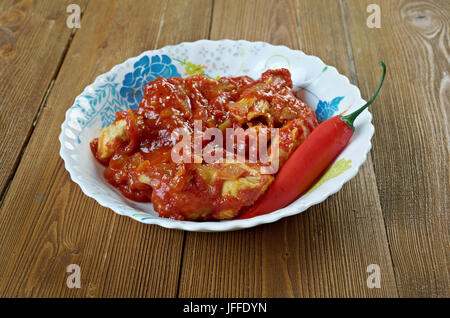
(327, 92)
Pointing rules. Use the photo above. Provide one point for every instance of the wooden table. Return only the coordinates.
(394, 213)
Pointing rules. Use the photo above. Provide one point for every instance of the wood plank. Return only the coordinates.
(411, 144)
(46, 222)
(325, 251)
(33, 38)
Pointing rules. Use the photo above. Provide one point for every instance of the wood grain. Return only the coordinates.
(46, 222)
(325, 251)
(394, 213)
(33, 38)
(411, 142)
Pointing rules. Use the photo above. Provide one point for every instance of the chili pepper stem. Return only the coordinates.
(350, 118)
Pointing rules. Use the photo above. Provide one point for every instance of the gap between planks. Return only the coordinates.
(355, 81)
(41, 107)
(383, 233)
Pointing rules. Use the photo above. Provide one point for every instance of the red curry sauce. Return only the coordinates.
(136, 148)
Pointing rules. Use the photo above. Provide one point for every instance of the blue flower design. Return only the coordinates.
(326, 109)
(104, 102)
(145, 70)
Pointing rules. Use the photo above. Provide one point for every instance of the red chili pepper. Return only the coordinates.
(309, 161)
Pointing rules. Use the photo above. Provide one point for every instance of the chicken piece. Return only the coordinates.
(204, 191)
(234, 176)
(236, 185)
(109, 135)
